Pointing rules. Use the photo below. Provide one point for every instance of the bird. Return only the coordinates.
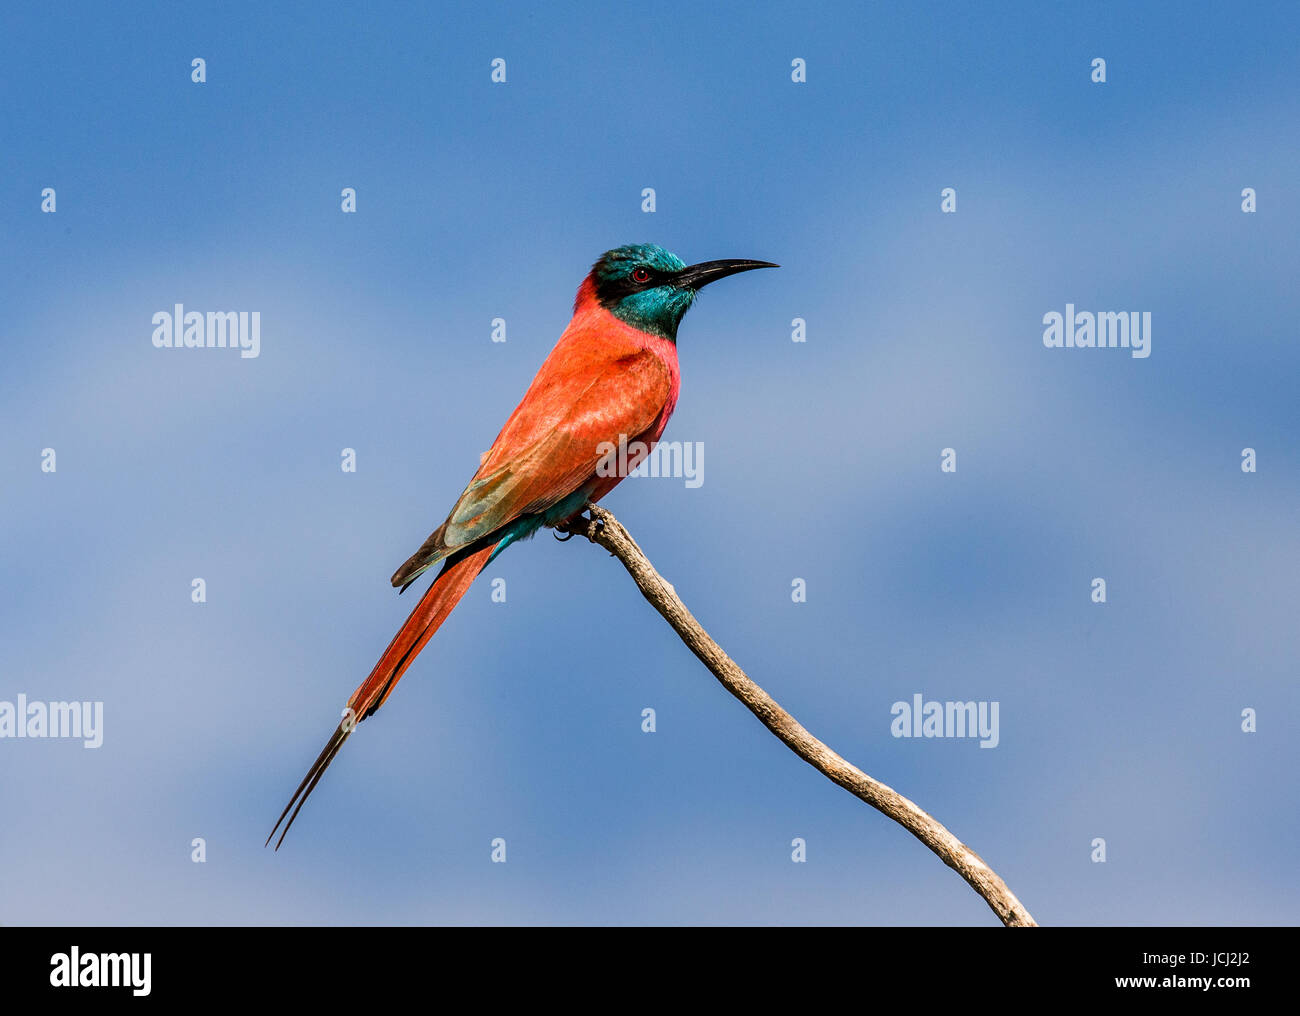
(611, 381)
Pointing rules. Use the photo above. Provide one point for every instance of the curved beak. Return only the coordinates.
(699, 276)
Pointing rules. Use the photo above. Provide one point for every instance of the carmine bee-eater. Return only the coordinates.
(610, 381)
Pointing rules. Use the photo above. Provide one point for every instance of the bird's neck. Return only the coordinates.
(656, 311)
(589, 312)
(591, 318)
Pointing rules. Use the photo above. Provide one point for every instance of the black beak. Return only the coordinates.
(699, 276)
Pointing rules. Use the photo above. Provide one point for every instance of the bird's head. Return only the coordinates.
(651, 289)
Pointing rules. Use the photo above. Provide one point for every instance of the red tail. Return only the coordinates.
(451, 584)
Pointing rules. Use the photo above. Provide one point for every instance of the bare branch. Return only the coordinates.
(603, 529)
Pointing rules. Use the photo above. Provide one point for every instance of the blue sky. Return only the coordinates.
(522, 720)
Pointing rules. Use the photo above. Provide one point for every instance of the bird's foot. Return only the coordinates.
(579, 525)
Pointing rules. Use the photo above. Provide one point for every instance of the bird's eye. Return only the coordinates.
(640, 275)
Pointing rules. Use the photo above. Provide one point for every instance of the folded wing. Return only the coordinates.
(551, 444)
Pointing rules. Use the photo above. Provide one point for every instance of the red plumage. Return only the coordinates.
(603, 382)
(606, 383)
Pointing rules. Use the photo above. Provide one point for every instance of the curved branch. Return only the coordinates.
(603, 529)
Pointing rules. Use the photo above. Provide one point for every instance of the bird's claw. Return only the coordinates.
(580, 524)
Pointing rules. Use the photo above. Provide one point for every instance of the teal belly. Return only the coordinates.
(524, 527)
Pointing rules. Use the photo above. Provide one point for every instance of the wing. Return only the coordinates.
(586, 393)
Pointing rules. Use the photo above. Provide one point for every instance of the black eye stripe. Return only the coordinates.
(613, 288)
